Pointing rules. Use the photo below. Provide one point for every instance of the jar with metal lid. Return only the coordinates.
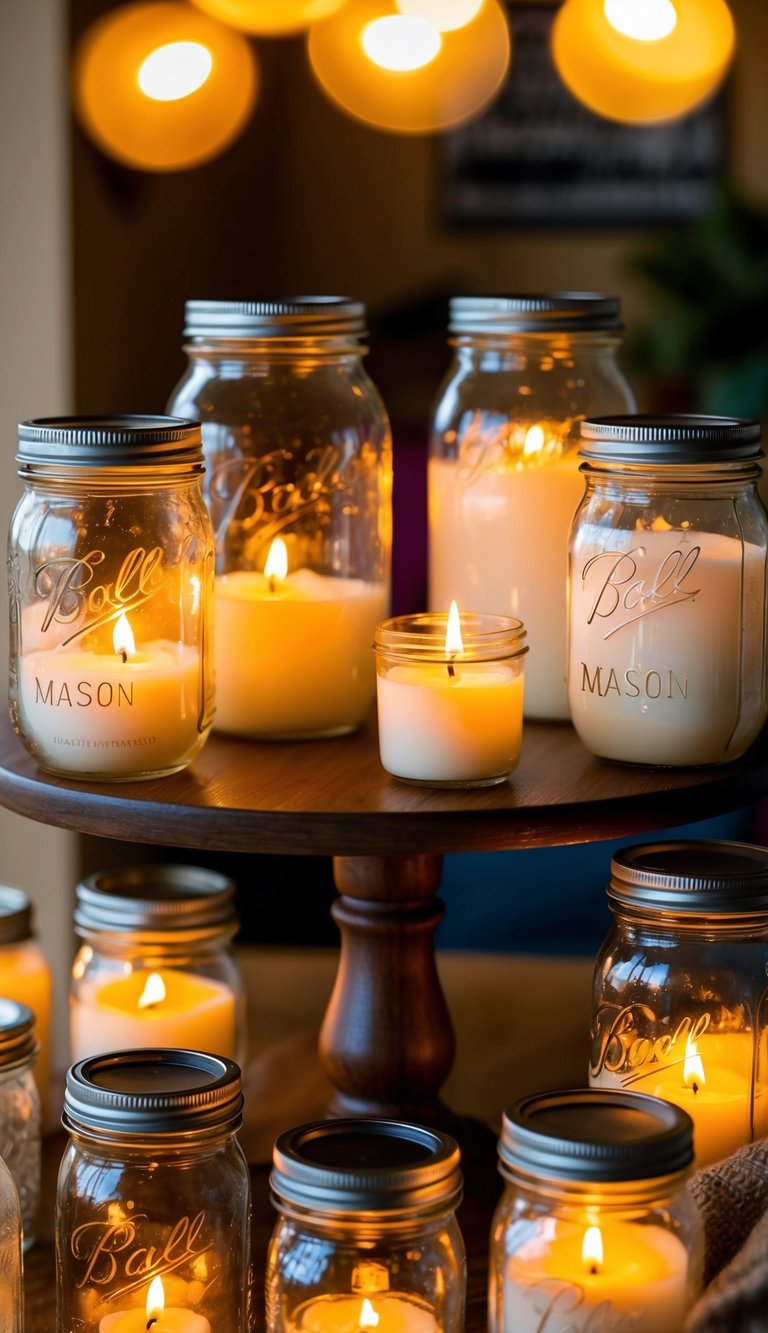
(11, 1263)
(667, 652)
(20, 1109)
(109, 567)
(155, 966)
(595, 1229)
(153, 1210)
(680, 1006)
(367, 1236)
(299, 478)
(25, 976)
(503, 467)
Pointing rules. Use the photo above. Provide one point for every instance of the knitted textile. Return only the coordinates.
(732, 1197)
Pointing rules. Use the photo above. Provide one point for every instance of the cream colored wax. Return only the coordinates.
(196, 1013)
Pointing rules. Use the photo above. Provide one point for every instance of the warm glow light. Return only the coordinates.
(152, 994)
(368, 1318)
(693, 1067)
(445, 15)
(162, 87)
(463, 74)
(643, 61)
(534, 441)
(644, 20)
(399, 42)
(269, 18)
(592, 1248)
(174, 71)
(155, 1299)
(122, 637)
(276, 567)
(453, 640)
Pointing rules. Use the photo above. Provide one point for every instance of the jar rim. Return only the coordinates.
(17, 1037)
(535, 312)
(180, 901)
(291, 317)
(422, 637)
(676, 438)
(118, 440)
(15, 915)
(158, 1092)
(699, 878)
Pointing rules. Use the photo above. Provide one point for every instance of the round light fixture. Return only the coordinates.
(459, 71)
(643, 61)
(161, 87)
(269, 18)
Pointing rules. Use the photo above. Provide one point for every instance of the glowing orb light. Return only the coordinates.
(269, 18)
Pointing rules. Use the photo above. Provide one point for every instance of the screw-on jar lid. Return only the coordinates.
(678, 439)
(701, 877)
(133, 1094)
(17, 1038)
(185, 902)
(15, 915)
(114, 441)
(545, 312)
(295, 317)
(595, 1136)
(366, 1166)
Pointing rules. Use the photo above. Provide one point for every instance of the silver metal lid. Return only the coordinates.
(185, 902)
(17, 1038)
(295, 317)
(594, 1135)
(679, 439)
(135, 1094)
(366, 1166)
(700, 877)
(15, 916)
(545, 312)
(113, 441)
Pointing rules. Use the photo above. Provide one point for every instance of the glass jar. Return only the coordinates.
(450, 698)
(156, 967)
(109, 566)
(299, 479)
(367, 1234)
(25, 976)
(503, 468)
(153, 1208)
(680, 1008)
(11, 1290)
(667, 656)
(20, 1110)
(595, 1229)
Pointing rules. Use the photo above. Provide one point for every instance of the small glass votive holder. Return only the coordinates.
(20, 1110)
(450, 703)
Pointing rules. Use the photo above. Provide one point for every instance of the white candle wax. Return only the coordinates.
(197, 1013)
(172, 1320)
(641, 1283)
(293, 657)
(464, 728)
(661, 670)
(499, 542)
(393, 1313)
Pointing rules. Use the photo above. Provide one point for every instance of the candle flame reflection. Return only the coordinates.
(368, 1318)
(153, 992)
(155, 1299)
(453, 639)
(276, 567)
(693, 1067)
(122, 638)
(592, 1249)
(534, 441)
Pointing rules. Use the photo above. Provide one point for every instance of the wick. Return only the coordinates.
(152, 1321)
(593, 1269)
(695, 1087)
(272, 583)
(451, 669)
(124, 656)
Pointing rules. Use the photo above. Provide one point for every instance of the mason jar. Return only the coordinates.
(155, 965)
(298, 483)
(367, 1235)
(679, 1001)
(11, 1264)
(153, 1211)
(20, 1110)
(667, 656)
(25, 976)
(503, 469)
(595, 1228)
(109, 573)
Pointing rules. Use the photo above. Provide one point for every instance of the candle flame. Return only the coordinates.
(368, 1318)
(592, 1249)
(155, 1299)
(276, 567)
(453, 640)
(693, 1067)
(122, 638)
(153, 992)
(534, 441)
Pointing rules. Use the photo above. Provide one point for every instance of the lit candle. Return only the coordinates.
(293, 650)
(616, 1275)
(150, 1009)
(390, 1313)
(456, 720)
(111, 713)
(155, 1318)
(26, 977)
(717, 1097)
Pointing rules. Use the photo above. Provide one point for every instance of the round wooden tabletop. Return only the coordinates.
(333, 797)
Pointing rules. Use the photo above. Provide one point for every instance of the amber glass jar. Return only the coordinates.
(20, 1109)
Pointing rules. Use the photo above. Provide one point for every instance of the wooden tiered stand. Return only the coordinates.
(386, 1042)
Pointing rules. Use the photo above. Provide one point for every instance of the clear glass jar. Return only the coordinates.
(156, 967)
(367, 1235)
(667, 645)
(299, 479)
(450, 698)
(20, 1110)
(595, 1229)
(11, 1290)
(154, 1206)
(680, 1008)
(25, 976)
(109, 573)
(503, 467)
